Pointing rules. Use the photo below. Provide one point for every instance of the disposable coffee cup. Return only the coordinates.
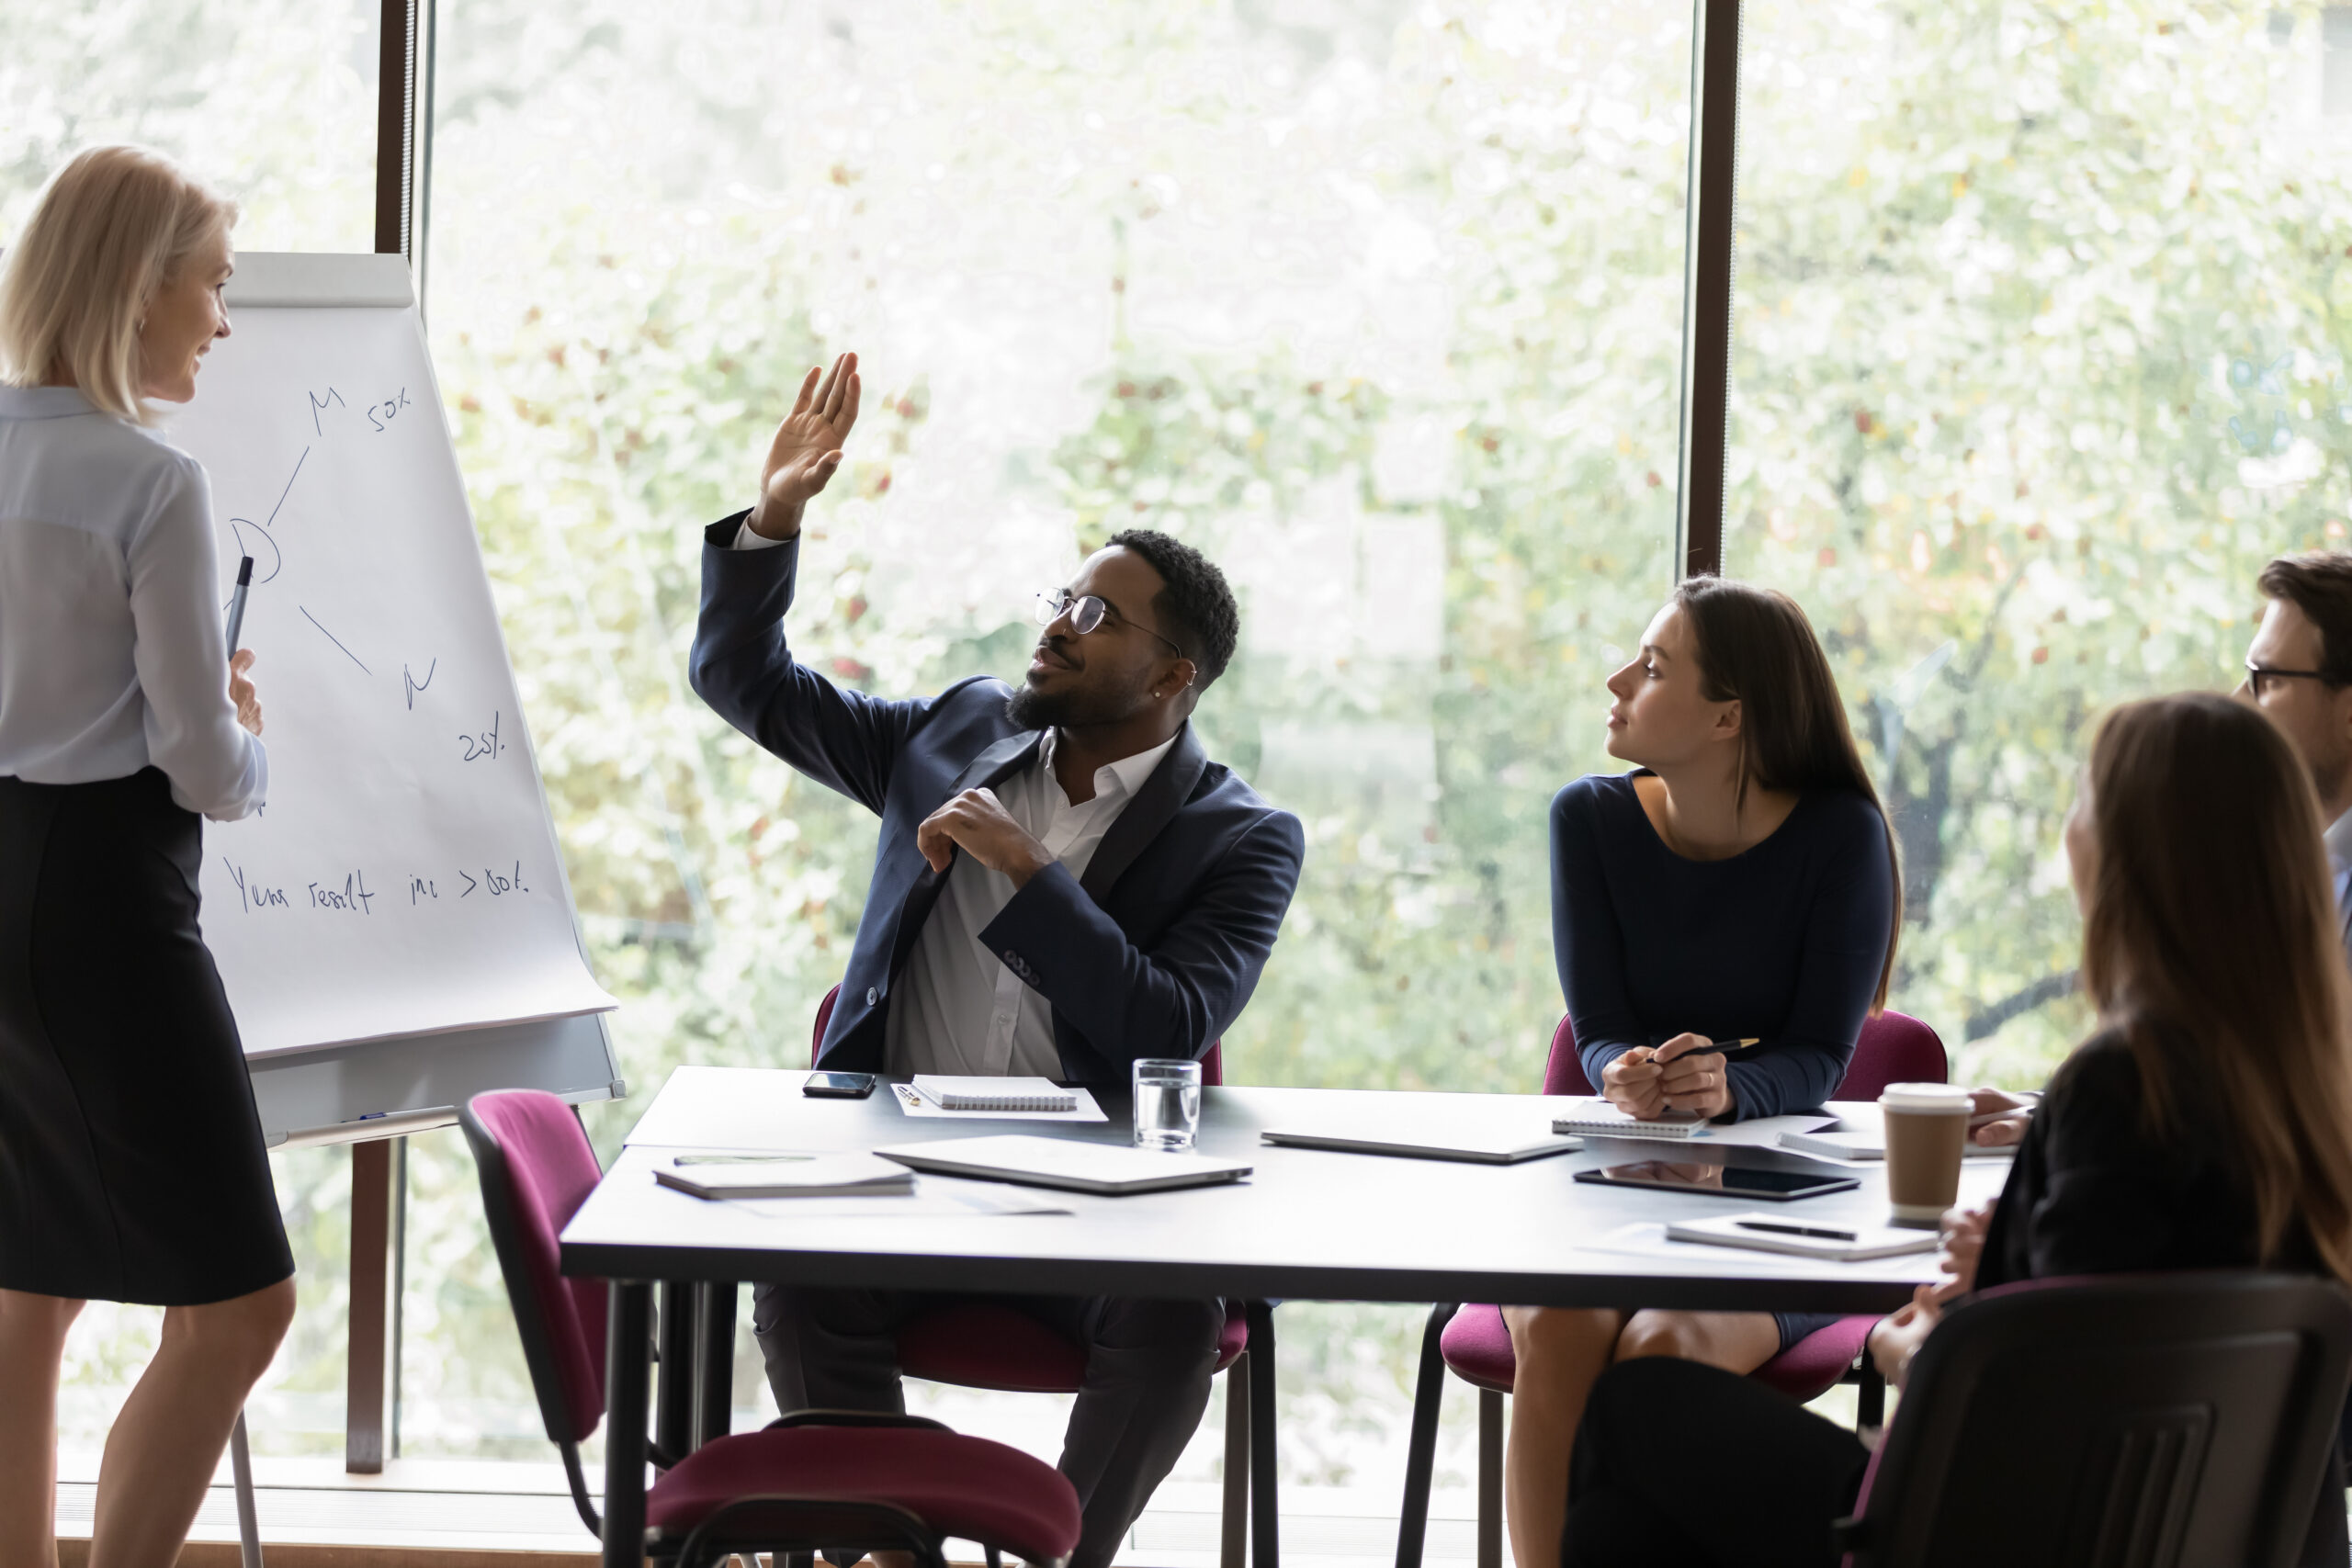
(1927, 1133)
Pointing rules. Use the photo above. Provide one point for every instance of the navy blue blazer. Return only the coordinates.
(1153, 952)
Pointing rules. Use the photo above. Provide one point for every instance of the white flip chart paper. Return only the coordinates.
(404, 877)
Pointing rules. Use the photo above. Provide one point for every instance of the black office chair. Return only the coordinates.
(2136, 1421)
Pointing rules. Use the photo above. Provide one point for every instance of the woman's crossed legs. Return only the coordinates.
(1561, 1351)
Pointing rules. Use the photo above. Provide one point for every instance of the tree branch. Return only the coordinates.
(2042, 992)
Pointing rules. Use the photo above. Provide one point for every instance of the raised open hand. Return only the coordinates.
(807, 448)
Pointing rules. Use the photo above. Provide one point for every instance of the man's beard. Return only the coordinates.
(1033, 709)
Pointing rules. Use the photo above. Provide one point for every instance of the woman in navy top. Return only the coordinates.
(1739, 883)
(2207, 1124)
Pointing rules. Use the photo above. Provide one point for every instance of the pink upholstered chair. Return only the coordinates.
(1476, 1346)
(978, 1345)
(812, 1481)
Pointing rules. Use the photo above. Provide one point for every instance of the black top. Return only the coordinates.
(1784, 942)
(2095, 1191)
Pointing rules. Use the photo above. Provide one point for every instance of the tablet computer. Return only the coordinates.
(1722, 1180)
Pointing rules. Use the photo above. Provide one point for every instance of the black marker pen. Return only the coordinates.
(237, 604)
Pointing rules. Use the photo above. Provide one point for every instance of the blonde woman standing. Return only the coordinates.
(131, 1162)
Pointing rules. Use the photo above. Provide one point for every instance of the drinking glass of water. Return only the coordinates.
(1168, 1104)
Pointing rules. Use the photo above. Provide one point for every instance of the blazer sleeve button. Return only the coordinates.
(871, 996)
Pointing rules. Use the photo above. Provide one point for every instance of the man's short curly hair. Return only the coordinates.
(1194, 605)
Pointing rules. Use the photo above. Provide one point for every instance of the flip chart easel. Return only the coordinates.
(395, 930)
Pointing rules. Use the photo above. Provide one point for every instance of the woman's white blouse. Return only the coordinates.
(112, 642)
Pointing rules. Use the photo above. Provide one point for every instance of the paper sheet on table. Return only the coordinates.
(933, 1200)
(1763, 1131)
(914, 1104)
(1646, 1238)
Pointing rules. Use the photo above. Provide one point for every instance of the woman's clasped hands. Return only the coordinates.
(1648, 1081)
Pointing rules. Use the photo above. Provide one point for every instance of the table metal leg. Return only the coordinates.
(674, 1412)
(1233, 1546)
(715, 1353)
(627, 1376)
(1264, 1504)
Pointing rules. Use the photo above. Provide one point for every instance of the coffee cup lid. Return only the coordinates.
(1930, 1097)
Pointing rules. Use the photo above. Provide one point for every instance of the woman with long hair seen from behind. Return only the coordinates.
(131, 1162)
(2206, 1123)
(1739, 884)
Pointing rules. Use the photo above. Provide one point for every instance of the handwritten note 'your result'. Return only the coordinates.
(403, 878)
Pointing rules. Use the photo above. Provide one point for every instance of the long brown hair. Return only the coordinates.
(2209, 943)
(1756, 647)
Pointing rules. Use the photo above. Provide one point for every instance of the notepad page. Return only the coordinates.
(1598, 1116)
(950, 1092)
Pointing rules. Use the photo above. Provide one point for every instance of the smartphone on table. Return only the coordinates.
(837, 1086)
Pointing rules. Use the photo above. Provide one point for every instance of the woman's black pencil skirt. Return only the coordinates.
(131, 1162)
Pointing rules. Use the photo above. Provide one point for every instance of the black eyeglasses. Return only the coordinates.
(2256, 674)
(1086, 613)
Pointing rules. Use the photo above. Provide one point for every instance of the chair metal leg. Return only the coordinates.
(1265, 1507)
(715, 1353)
(1490, 1479)
(1420, 1446)
(1233, 1551)
(241, 1466)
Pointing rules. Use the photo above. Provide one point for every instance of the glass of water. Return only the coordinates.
(1168, 1104)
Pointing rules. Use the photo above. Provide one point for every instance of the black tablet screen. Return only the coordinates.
(1721, 1181)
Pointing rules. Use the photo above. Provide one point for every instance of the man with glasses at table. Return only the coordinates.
(2299, 672)
(1065, 884)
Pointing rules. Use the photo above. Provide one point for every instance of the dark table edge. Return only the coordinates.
(1075, 1277)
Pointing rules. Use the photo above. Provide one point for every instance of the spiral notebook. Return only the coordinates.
(951, 1093)
(1599, 1118)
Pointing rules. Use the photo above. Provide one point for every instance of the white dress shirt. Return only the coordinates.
(956, 1008)
(113, 655)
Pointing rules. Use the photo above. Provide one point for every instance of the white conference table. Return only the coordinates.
(1309, 1225)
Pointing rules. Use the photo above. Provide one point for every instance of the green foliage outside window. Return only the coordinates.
(2041, 315)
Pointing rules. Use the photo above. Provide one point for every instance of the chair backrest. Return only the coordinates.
(1212, 1064)
(1895, 1047)
(2138, 1421)
(537, 1168)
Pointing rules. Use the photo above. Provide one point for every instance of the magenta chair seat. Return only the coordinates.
(965, 1487)
(1477, 1348)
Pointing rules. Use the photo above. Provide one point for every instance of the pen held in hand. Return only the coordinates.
(237, 603)
(1718, 1047)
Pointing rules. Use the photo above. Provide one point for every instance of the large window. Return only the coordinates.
(1379, 304)
(2041, 318)
(2039, 336)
